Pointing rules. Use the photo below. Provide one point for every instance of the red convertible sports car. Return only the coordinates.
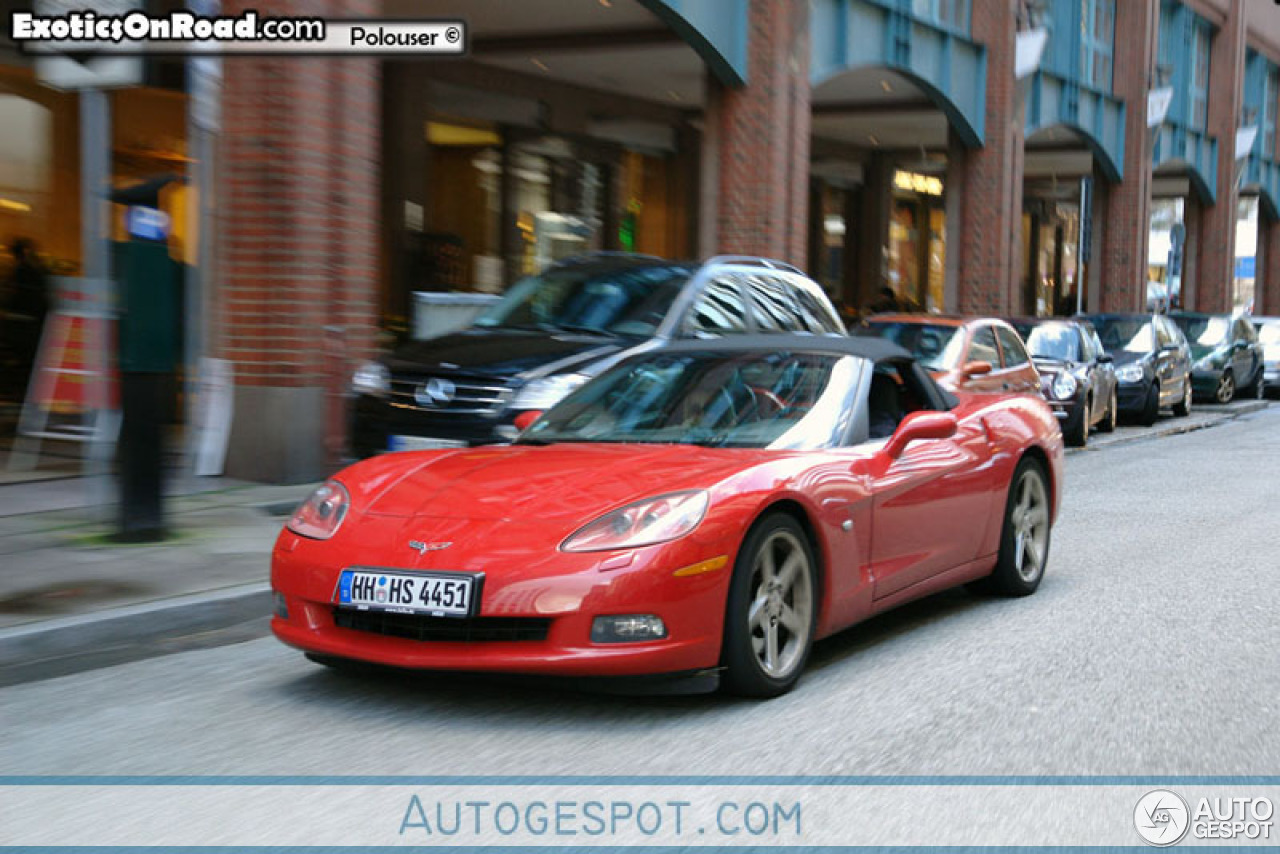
(699, 513)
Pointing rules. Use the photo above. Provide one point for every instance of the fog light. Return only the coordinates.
(627, 628)
(282, 608)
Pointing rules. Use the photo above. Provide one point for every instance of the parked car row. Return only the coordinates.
(554, 331)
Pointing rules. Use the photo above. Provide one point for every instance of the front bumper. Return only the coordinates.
(691, 607)
(1204, 384)
(376, 420)
(1132, 397)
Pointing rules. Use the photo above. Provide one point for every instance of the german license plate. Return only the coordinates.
(421, 443)
(436, 594)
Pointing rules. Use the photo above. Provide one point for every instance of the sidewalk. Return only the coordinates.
(66, 591)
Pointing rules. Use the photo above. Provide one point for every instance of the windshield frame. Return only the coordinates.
(828, 422)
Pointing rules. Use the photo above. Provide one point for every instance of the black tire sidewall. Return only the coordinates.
(743, 675)
(1005, 578)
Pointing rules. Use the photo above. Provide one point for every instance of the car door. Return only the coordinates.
(929, 505)
(1019, 374)
(983, 348)
(1242, 356)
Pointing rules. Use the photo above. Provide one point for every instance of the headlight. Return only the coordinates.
(371, 378)
(320, 516)
(1064, 386)
(643, 523)
(1130, 373)
(548, 391)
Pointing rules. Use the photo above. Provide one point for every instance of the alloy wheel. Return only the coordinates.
(781, 611)
(1226, 388)
(1030, 520)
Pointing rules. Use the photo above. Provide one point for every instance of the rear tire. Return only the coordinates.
(1151, 409)
(1024, 538)
(772, 611)
(1183, 408)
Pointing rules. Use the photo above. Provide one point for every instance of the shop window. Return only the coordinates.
(1199, 89)
(951, 14)
(1098, 42)
(1270, 91)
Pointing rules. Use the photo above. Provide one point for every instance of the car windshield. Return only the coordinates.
(621, 301)
(1204, 333)
(1125, 334)
(743, 400)
(936, 346)
(1052, 341)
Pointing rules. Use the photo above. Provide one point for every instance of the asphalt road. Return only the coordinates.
(1151, 648)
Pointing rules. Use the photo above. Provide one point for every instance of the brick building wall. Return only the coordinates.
(296, 236)
(986, 183)
(1123, 242)
(1217, 233)
(761, 140)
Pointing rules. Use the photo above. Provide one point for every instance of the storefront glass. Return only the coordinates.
(917, 242)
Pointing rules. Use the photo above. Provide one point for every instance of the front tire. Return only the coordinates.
(1108, 422)
(1024, 539)
(772, 610)
(1151, 409)
(1077, 434)
(1183, 407)
(1226, 390)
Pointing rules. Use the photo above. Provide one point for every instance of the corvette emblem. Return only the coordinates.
(422, 548)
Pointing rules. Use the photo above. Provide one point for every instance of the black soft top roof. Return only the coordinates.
(865, 347)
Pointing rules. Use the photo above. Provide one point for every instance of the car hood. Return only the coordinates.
(1125, 357)
(527, 482)
(502, 353)
(1202, 351)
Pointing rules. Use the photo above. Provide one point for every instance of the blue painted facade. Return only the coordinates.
(1073, 87)
(1261, 169)
(717, 29)
(910, 38)
(1182, 142)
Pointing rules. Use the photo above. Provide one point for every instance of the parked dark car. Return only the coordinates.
(1152, 363)
(1268, 329)
(553, 331)
(1228, 358)
(1076, 374)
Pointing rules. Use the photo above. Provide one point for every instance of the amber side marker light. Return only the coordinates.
(704, 566)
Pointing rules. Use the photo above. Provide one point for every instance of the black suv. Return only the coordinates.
(553, 331)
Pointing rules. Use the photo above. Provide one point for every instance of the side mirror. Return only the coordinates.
(976, 369)
(525, 419)
(920, 425)
(1105, 359)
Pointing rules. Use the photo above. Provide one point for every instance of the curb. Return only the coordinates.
(1177, 428)
(59, 647)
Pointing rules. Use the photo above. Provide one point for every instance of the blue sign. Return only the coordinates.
(1246, 267)
(147, 223)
